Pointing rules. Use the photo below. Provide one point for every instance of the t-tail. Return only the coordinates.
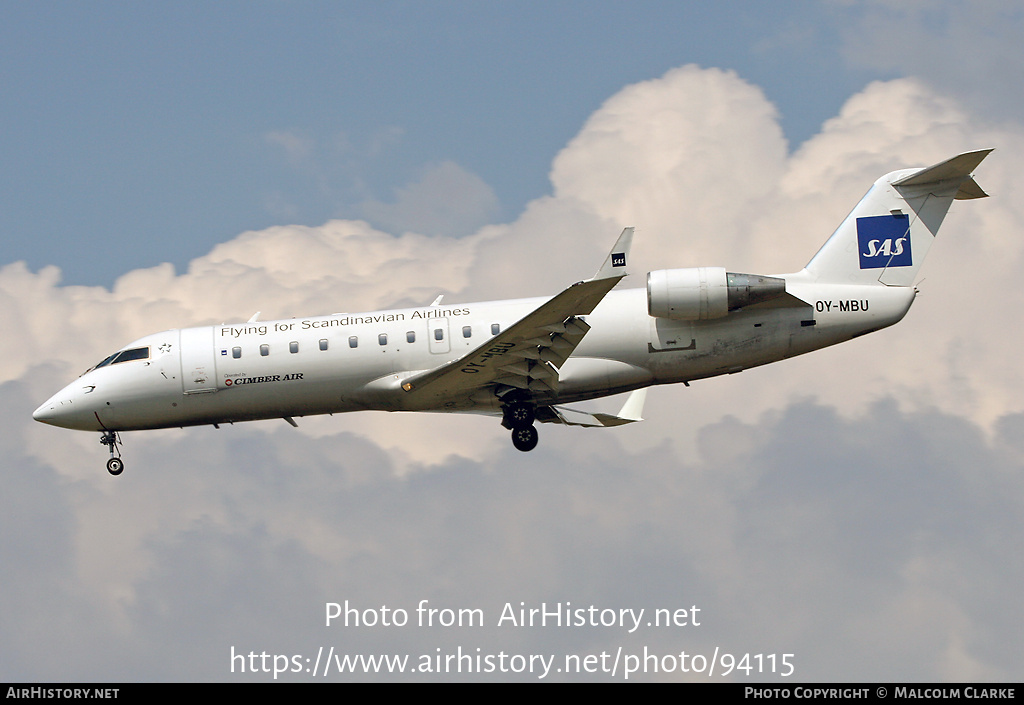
(887, 236)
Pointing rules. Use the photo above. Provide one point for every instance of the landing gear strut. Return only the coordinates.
(115, 466)
(519, 416)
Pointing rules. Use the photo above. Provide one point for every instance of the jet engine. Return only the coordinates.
(700, 293)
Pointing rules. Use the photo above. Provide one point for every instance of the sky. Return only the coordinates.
(857, 509)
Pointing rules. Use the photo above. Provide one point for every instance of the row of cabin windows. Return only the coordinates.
(353, 340)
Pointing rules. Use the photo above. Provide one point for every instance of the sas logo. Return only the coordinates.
(619, 259)
(884, 241)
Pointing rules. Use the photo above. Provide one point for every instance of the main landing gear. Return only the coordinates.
(519, 416)
(115, 466)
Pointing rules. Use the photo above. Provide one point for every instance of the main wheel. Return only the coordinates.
(520, 415)
(525, 438)
(115, 466)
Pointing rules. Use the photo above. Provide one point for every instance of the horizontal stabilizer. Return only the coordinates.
(969, 189)
(958, 167)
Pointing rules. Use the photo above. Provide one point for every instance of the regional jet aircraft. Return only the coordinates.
(525, 359)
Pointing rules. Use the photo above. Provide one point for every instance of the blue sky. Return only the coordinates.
(859, 507)
(133, 135)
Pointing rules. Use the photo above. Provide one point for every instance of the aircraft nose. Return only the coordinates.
(51, 410)
(62, 409)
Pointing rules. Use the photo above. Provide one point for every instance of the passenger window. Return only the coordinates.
(382, 339)
(439, 334)
(410, 337)
(264, 350)
(323, 343)
(495, 328)
(353, 341)
(467, 331)
(236, 353)
(293, 346)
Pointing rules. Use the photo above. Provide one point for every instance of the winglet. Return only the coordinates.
(615, 264)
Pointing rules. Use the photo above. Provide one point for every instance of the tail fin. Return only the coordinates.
(886, 237)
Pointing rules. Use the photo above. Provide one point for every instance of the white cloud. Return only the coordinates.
(447, 200)
(847, 530)
(878, 540)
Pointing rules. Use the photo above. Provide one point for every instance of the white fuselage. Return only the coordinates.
(350, 362)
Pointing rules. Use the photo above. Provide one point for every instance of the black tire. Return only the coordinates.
(520, 415)
(525, 438)
(115, 466)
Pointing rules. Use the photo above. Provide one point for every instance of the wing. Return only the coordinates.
(528, 354)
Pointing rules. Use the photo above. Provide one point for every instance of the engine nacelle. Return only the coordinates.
(701, 293)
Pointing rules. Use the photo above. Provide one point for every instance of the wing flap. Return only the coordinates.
(631, 412)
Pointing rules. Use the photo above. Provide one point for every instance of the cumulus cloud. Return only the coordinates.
(851, 506)
(447, 200)
(687, 158)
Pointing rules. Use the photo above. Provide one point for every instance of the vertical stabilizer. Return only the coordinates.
(886, 237)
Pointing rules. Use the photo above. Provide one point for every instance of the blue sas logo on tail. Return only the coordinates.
(884, 241)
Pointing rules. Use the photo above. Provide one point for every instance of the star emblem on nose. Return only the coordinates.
(165, 348)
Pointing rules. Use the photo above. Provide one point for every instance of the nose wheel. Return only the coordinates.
(115, 466)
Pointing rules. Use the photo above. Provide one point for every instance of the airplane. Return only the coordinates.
(525, 359)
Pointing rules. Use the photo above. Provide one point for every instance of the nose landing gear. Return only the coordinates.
(115, 466)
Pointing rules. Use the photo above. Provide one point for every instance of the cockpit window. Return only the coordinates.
(123, 356)
(133, 354)
(106, 361)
